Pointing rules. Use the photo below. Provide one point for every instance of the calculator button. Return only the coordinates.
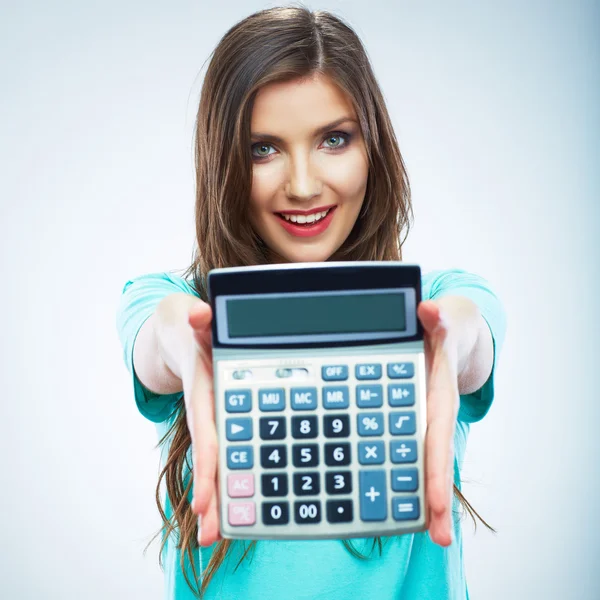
(240, 485)
(305, 427)
(240, 457)
(400, 370)
(305, 455)
(369, 396)
(272, 399)
(403, 423)
(336, 396)
(307, 512)
(283, 373)
(403, 452)
(238, 429)
(274, 484)
(334, 372)
(238, 400)
(401, 394)
(405, 508)
(307, 484)
(275, 513)
(370, 423)
(304, 398)
(405, 480)
(272, 428)
(336, 426)
(368, 371)
(339, 511)
(338, 482)
(373, 504)
(273, 457)
(242, 513)
(371, 453)
(337, 455)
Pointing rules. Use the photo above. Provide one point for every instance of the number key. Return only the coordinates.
(273, 457)
(275, 513)
(274, 484)
(272, 428)
(337, 454)
(305, 455)
(307, 512)
(307, 484)
(338, 482)
(305, 427)
(336, 426)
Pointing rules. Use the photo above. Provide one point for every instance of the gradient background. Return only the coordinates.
(497, 111)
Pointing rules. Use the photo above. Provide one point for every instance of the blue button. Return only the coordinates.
(273, 399)
(373, 505)
(401, 394)
(403, 452)
(238, 429)
(368, 371)
(401, 370)
(370, 423)
(238, 400)
(304, 398)
(334, 372)
(405, 480)
(336, 397)
(240, 457)
(369, 396)
(371, 453)
(403, 423)
(405, 509)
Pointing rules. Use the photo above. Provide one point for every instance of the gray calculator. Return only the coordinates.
(320, 400)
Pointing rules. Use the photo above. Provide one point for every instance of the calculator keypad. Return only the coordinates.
(321, 446)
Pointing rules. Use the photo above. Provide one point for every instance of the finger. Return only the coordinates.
(442, 409)
(208, 526)
(201, 423)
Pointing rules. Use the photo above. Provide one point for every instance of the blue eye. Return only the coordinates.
(258, 150)
(336, 140)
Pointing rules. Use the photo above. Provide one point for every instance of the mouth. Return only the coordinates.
(306, 223)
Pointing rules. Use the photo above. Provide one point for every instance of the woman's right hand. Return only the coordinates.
(197, 381)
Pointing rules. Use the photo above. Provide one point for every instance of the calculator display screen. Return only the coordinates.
(327, 315)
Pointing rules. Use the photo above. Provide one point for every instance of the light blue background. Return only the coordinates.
(496, 108)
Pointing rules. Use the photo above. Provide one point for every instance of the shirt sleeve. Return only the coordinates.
(138, 301)
(474, 406)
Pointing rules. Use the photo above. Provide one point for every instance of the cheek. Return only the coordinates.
(265, 182)
(349, 177)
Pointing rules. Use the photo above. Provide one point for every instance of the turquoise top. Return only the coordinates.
(411, 566)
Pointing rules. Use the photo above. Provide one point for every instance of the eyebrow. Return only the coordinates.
(274, 138)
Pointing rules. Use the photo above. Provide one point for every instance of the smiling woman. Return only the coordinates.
(296, 161)
(309, 187)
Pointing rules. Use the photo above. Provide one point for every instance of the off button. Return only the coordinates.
(334, 372)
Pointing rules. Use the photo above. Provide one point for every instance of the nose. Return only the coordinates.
(302, 181)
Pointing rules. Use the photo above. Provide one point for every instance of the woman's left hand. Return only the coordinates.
(441, 358)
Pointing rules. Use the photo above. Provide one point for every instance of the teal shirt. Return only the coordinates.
(411, 566)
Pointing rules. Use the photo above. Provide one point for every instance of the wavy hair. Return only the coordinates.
(275, 45)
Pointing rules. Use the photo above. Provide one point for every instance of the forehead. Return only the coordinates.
(298, 106)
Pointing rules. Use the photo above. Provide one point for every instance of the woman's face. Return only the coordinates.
(310, 169)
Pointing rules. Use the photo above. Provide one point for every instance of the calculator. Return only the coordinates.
(320, 400)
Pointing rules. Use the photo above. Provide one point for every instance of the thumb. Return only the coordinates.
(200, 315)
(432, 317)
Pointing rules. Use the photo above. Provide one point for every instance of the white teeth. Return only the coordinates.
(313, 218)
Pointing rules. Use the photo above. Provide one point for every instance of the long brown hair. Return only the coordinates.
(279, 44)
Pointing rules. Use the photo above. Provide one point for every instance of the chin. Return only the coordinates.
(307, 255)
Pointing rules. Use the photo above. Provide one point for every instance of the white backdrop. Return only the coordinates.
(496, 109)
